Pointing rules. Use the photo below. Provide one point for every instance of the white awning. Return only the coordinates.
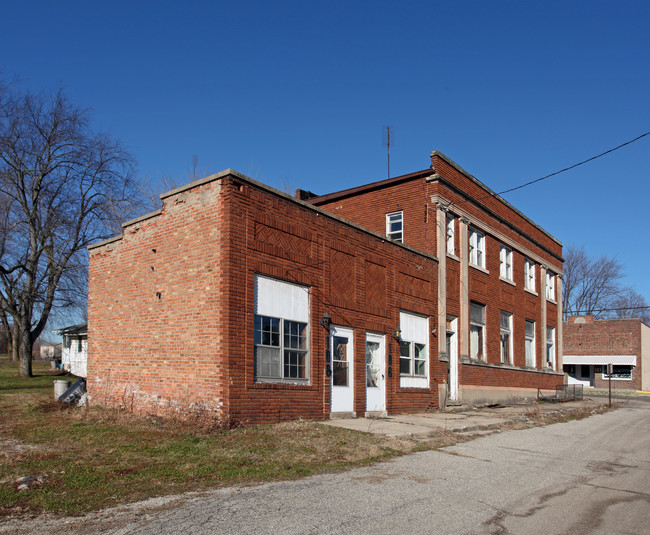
(625, 360)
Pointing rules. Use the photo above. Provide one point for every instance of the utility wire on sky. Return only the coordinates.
(561, 170)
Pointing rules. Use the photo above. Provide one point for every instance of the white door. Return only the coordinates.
(342, 344)
(375, 379)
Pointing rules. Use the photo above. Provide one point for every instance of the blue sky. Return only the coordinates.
(295, 94)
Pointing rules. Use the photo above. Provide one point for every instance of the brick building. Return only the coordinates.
(590, 345)
(499, 286)
(238, 300)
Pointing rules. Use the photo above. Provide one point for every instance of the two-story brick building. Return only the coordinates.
(237, 300)
(499, 278)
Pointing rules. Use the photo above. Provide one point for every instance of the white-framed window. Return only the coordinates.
(476, 248)
(413, 348)
(505, 259)
(451, 234)
(550, 286)
(530, 343)
(618, 372)
(395, 226)
(281, 331)
(506, 337)
(529, 275)
(550, 347)
(477, 331)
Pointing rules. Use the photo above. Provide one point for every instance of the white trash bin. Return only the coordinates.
(60, 387)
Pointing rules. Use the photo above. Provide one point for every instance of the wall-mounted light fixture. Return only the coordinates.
(397, 334)
(326, 320)
(434, 332)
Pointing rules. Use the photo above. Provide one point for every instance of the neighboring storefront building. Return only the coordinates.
(591, 345)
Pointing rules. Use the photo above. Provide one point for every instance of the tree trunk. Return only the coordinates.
(26, 354)
(15, 342)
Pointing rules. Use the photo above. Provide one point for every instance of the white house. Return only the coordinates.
(74, 357)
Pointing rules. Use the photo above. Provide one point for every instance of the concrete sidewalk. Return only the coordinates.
(472, 420)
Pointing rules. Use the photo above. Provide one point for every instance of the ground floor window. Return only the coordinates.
(550, 347)
(618, 372)
(477, 331)
(530, 344)
(413, 347)
(281, 331)
(506, 337)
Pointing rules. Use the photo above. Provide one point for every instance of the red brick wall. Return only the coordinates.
(361, 280)
(172, 304)
(155, 328)
(605, 337)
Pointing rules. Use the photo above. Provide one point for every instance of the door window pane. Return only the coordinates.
(340, 363)
(372, 364)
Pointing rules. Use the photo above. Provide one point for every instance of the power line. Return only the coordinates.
(578, 312)
(561, 170)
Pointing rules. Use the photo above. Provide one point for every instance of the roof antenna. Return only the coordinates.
(389, 139)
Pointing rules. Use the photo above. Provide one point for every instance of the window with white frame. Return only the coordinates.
(477, 331)
(394, 226)
(506, 337)
(281, 331)
(476, 248)
(530, 344)
(550, 347)
(451, 234)
(413, 348)
(505, 259)
(550, 286)
(618, 372)
(529, 275)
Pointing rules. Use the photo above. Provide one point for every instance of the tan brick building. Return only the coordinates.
(590, 345)
(242, 301)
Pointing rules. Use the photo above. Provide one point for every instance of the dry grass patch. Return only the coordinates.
(77, 460)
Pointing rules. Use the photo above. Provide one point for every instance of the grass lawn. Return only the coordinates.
(85, 459)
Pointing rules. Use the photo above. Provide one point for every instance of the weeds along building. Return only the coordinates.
(239, 302)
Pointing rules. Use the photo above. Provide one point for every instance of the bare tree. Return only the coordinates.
(631, 304)
(590, 285)
(62, 187)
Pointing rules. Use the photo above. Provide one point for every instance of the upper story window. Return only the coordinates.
(550, 286)
(476, 248)
(505, 257)
(529, 275)
(281, 331)
(413, 352)
(477, 331)
(451, 234)
(394, 226)
(530, 344)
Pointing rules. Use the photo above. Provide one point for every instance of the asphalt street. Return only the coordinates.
(589, 476)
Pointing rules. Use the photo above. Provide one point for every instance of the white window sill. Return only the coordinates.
(605, 378)
(409, 381)
(532, 292)
(507, 281)
(453, 257)
(551, 300)
(479, 268)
